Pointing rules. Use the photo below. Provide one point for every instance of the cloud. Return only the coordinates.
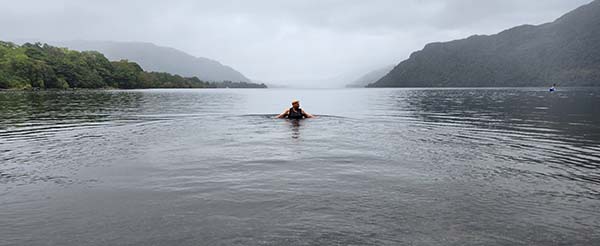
(295, 41)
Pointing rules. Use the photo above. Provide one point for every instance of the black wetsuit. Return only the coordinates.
(296, 115)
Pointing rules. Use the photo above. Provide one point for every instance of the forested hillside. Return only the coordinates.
(44, 66)
(566, 51)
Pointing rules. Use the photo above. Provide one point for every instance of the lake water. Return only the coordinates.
(377, 167)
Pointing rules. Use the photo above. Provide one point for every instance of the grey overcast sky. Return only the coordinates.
(311, 42)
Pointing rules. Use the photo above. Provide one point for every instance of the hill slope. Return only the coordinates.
(371, 77)
(566, 51)
(156, 58)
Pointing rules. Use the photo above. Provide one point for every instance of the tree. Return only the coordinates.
(43, 66)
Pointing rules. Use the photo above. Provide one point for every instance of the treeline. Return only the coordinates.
(43, 66)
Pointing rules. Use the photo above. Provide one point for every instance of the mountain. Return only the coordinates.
(156, 58)
(370, 77)
(41, 66)
(566, 52)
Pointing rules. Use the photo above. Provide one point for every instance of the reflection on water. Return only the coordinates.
(377, 167)
(295, 126)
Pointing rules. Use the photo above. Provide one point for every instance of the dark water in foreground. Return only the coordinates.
(379, 167)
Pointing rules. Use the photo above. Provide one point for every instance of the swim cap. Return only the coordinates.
(295, 101)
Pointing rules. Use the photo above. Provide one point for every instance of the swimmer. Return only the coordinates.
(295, 112)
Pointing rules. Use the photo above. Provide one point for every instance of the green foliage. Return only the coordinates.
(230, 84)
(126, 74)
(44, 66)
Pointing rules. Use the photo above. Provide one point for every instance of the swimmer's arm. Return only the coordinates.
(284, 114)
(307, 115)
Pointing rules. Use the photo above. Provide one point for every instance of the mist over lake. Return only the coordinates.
(190, 122)
(456, 166)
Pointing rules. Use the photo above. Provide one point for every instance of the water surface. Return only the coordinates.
(499, 166)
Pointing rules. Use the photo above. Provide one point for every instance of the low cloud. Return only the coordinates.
(307, 42)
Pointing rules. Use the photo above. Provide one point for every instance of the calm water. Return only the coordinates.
(378, 167)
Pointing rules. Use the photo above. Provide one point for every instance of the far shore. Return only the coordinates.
(348, 88)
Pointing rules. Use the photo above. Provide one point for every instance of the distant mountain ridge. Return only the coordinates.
(370, 77)
(566, 51)
(156, 58)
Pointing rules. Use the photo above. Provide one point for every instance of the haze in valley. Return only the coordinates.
(282, 43)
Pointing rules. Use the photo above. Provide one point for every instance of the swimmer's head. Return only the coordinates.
(295, 103)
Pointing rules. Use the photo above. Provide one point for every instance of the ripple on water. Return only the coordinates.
(409, 166)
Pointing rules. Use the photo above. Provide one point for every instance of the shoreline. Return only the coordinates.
(111, 89)
(341, 88)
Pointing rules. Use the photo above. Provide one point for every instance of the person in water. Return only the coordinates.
(295, 112)
(553, 88)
